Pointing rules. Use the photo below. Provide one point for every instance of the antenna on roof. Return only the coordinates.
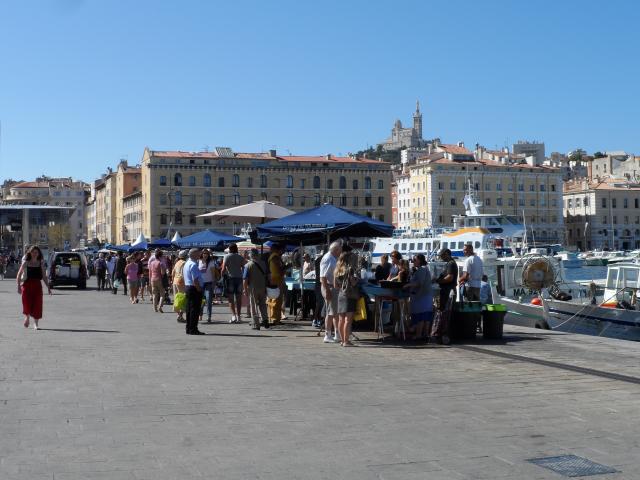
(205, 148)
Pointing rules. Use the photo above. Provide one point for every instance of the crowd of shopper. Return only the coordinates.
(199, 278)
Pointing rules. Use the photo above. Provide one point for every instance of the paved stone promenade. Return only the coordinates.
(107, 390)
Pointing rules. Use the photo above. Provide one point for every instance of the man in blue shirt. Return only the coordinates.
(193, 291)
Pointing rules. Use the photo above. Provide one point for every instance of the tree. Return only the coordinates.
(57, 235)
(599, 154)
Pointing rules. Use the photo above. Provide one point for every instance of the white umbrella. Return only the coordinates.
(176, 237)
(255, 212)
(139, 240)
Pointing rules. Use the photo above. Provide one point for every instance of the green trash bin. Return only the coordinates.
(465, 320)
(493, 321)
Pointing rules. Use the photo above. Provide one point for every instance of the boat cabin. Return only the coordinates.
(623, 281)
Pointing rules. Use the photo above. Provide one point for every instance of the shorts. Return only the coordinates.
(143, 282)
(472, 294)
(234, 286)
(346, 305)
(133, 283)
(416, 318)
(331, 306)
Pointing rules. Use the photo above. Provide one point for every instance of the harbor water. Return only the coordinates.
(585, 273)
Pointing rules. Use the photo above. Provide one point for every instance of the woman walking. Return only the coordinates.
(131, 272)
(31, 289)
(346, 284)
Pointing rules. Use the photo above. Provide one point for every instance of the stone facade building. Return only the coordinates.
(179, 186)
(110, 190)
(602, 214)
(62, 192)
(439, 182)
(406, 137)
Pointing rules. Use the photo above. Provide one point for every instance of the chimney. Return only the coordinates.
(328, 156)
(461, 144)
(429, 149)
(272, 153)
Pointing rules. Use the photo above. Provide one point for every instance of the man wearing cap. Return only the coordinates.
(193, 289)
(255, 287)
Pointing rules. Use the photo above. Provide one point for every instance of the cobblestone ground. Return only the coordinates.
(107, 390)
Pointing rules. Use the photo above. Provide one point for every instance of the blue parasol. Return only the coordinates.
(318, 224)
(207, 239)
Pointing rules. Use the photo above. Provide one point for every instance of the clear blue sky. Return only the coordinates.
(84, 83)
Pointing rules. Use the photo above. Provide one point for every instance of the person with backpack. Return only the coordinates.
(345, 282)
(255, 287)
(121, 264)
(100, 266)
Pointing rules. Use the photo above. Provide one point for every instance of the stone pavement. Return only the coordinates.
(107, 390)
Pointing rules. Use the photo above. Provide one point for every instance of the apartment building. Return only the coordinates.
(178, 186)
(110, 191)
(439, 182)
(62, 192)
(602, 214)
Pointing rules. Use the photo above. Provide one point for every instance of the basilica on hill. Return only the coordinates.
(406, 137)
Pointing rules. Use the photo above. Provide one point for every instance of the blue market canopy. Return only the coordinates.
(118, 248)
(207, 239)
(314, 225)
(162, 243)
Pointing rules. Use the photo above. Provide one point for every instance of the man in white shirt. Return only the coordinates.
(472, 272)
(330, 294)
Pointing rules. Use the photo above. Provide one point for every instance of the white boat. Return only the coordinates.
(597, 258)
(492, 236)
(570, 259)
(569, 306)
(622, 257)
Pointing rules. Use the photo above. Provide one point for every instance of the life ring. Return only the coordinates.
(538, 274)
(536, 301)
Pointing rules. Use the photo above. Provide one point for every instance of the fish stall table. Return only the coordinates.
(293, 292)
(381, 295)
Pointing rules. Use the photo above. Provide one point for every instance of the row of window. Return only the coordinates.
(235, 182)
(192, 218)
(499, 202)
(235, 198)
(487, 187)
(603, 202)
(407, 216)
(605, 232)
(542, 202)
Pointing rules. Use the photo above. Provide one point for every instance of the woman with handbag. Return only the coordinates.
(346, 283)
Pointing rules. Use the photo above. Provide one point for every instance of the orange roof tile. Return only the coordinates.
(455, 149)
(264, 156)
(31, 185)
(324, 159)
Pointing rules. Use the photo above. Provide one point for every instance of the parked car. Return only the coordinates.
(68, 268)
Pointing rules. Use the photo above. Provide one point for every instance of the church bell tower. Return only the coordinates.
(417, 121)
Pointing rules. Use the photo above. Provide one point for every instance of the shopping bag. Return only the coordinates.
(179, 302)
(361, 310)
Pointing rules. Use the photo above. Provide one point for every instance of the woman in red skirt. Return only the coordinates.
(31, 289)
